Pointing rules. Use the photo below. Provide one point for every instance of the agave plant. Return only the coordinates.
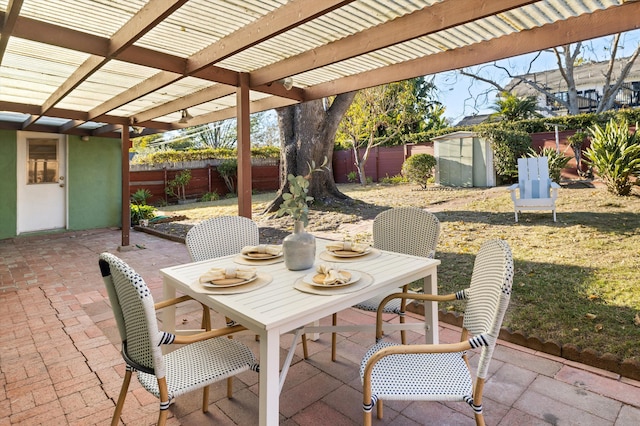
(615, 154)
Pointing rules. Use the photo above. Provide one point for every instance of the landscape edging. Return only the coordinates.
(627, 368)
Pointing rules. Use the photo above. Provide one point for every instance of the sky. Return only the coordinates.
(459, 93)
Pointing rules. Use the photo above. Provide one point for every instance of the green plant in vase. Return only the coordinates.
(296, 201)
(299, 248)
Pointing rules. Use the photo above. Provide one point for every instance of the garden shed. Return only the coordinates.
(464, 160)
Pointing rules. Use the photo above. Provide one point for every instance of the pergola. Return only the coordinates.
(122, 68)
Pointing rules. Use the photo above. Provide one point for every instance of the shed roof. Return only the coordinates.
(93, 67)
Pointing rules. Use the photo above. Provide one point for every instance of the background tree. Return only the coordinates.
(378, 115)
(307, 133)
(568, 57)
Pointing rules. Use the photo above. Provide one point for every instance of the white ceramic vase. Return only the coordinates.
(299, 248)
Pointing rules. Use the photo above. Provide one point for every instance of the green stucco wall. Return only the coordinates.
(8, 182)
(95, 183)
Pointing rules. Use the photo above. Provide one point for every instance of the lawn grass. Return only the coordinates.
(576, 281)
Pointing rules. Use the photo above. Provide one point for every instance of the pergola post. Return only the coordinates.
(244, 146)
(126, 208)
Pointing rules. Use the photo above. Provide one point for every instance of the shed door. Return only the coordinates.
(456, 162)
(41, 182)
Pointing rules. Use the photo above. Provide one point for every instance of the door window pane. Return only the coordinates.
(42, 161)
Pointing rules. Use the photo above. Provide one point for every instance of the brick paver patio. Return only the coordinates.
(60, 361)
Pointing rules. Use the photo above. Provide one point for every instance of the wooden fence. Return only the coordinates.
(204, 179)
(385, 161)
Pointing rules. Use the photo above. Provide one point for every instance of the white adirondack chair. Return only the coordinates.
(536, 189)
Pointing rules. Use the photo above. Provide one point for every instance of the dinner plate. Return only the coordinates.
(261, 280)
(315, 279)
(228, 282)
(365, 281)
(349, 253)
(260, 256)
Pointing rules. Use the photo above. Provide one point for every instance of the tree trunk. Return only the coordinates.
(307, 133)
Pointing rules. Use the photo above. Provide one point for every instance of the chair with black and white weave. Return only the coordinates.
(442, 372)
(204, 358)
(407, 230)
(221, 236)
(224, 236)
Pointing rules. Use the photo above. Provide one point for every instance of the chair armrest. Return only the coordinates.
(414, 296)
(171, 302)
(513, 187)
(205, 335)
(554, 185)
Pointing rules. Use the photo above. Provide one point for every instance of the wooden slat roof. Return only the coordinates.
(93, 67)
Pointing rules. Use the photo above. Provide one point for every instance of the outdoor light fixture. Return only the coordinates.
(185, 117)
(287, 83)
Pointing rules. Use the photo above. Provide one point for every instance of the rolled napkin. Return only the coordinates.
(271, 249)
(348, 246)
(332, 276)
(217, 274)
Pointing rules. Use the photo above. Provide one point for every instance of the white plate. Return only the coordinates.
(348, 253)
(260, 256)
(364, 282)
(225, 283)
(261, 281)
(308, 279)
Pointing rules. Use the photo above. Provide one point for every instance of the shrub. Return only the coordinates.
(352, 176)
(141, 211)
(615, 154)
(557, 161)
(508, 145)
(419, 168)
(394, 180)
(210, 196)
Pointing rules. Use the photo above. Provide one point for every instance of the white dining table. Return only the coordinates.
(278, 308)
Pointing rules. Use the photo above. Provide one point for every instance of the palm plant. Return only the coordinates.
(615, 154)
(510, 107)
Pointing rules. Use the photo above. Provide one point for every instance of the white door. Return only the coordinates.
(42, 192)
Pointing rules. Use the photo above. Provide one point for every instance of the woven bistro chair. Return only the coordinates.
(224, 236)
(442, 372)
(204, 359)
(216, 237)
(221, 236)
(407, 230)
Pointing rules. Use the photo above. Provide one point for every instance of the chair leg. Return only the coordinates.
(206, 318)
(403, 308)
(479, 419)
(123, 394)
(162, 418)
(230, 387)
(305, 348)
(379, 409)
(366, 420)
(164, 401)
(334, 322)
(205, 399)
